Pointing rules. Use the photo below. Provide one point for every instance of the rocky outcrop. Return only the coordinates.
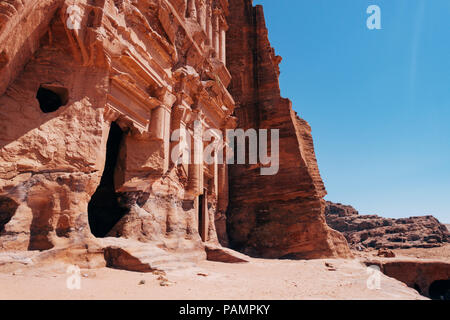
(278, 216)
(89, 97)
(137, 256)
(92, 97)
(339, 210)
(225, 255)
(372, 231)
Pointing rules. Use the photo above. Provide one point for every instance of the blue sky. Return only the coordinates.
(378, 100)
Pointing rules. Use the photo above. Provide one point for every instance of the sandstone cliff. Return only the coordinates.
(89, 99)
(86, 114)
(277, 216)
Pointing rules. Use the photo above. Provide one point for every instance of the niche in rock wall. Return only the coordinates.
(8, 208)
(51, 98)
(104, 209)
(203, 222)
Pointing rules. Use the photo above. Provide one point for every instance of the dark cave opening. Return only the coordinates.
(440, 290)
(201, 217)
(104, 210)
(52, 98)
(8, 208)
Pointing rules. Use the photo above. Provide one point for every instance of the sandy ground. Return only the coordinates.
(259, 279)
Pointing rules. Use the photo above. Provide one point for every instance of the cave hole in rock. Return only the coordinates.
(8, 208)
(51, 98)
(104, 209)
(440, 290)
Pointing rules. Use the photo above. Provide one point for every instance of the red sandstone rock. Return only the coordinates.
(340, 210)
(220, 254)
(86, 116)
(277, 216)
(131, 74)
(386, 253)
(144, 257)
(372, 231)
(430, 278)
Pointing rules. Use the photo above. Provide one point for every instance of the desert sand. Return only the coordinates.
(259, 279)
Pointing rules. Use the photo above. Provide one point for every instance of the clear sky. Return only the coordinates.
(378, 101)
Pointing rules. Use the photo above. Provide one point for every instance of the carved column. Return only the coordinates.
(202, 14)
(160, 123)
(216, 32)
(209, 28)
(180, 116)
(223, 187)
(160, 130)
(157, 123)
(209, 14)
(195, 180)
(223, 42)
(215, 170)
(192, 10)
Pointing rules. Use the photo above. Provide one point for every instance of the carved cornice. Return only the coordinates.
(153, 75)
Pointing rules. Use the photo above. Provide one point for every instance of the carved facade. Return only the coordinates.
(91, 92)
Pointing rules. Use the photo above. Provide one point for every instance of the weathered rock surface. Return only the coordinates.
(86, 115)
(278, 216)
(89, 99)
(221, 254)
(372, 231)
(386, 253)
(141, 257)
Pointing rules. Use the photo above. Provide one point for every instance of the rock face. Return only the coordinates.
(372, 231)
(278, 216)
(430, 278)
(90, 96)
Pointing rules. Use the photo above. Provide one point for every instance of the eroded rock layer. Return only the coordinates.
(91, 93)
(372, 231)
(279, 216)
(430, 278)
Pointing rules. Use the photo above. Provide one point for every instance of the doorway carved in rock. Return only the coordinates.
(104, 210)
(203, 221)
